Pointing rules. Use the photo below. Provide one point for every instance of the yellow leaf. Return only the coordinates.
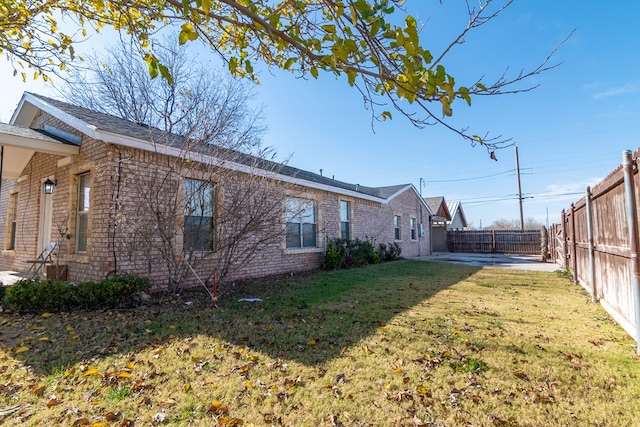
(398, 370)
(421, 389)
(46, 315)
(311, 342)
(43, 339)
(167, 403)
(38, 390)
(22, 350)
(92, 371)
(186, 388)
(98, 423)
(123, 374)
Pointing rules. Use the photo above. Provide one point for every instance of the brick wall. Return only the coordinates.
(133, 192)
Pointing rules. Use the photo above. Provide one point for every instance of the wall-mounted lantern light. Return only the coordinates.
(48, 186)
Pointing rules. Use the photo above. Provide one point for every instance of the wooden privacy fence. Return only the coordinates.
(597, 240)
(495, 241)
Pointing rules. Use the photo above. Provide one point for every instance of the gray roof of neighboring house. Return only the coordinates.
(117, 125)
(435, 203)
(454, 208)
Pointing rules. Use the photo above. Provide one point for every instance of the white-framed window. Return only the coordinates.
(413, 225)
(199, 215)
(13, 221)
(345, 220)
(397, 227)
(301, 228)
(82, 212)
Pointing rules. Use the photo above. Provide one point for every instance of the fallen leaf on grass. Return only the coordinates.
(422, 390)
(231, 422)
(112, 416)
(92, 371)
(217, 408)
(53, 401)
(38, 390)
(520, 374)
(168, 403)
(21, 349)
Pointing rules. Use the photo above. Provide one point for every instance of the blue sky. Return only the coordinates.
(570, 131)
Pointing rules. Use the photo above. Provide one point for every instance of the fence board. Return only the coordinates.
(494, 241)
(612, 282)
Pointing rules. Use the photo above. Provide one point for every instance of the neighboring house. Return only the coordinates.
(106, 170)
(439, 219)
(458, 219)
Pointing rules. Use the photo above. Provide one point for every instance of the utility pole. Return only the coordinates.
(519, 189)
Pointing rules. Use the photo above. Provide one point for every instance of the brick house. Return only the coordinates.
(104, 169)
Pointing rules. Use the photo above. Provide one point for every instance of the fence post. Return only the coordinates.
(592, 265)
(565, 246)
(544, 243)
(632, 226)
(574, 245)
(493, 241)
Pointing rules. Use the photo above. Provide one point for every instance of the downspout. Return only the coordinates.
(592, 265)
(632, 226)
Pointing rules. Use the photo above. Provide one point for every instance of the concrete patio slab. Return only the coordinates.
(521, 262)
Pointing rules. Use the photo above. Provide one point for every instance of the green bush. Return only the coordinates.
(27, 295)
(52, 295)
(333, 258)
(389, 253)
(344, 253)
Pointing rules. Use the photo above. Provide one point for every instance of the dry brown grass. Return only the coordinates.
(402, 344)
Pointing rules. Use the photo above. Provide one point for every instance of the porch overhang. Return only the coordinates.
(21, 143)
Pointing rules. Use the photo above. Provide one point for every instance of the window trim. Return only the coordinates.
(397, 227)
(413, 227)
(347, 222)
(85, 213)
(289, 221)
(200, 245)
(12, 221)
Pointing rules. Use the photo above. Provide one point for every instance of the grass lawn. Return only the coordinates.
(407, 343)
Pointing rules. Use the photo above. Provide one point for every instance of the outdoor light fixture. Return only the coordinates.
(48, 186)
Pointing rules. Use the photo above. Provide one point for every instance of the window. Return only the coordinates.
(199, 208)
(345, 220)
(396, 226)
(82, 217)
(301, 223)
(13, 220)
(413, 228)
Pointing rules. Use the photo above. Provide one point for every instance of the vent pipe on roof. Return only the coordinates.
(320, 172)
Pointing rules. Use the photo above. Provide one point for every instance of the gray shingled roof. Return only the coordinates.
(24, 132)
(435, 203)
(117, 125)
